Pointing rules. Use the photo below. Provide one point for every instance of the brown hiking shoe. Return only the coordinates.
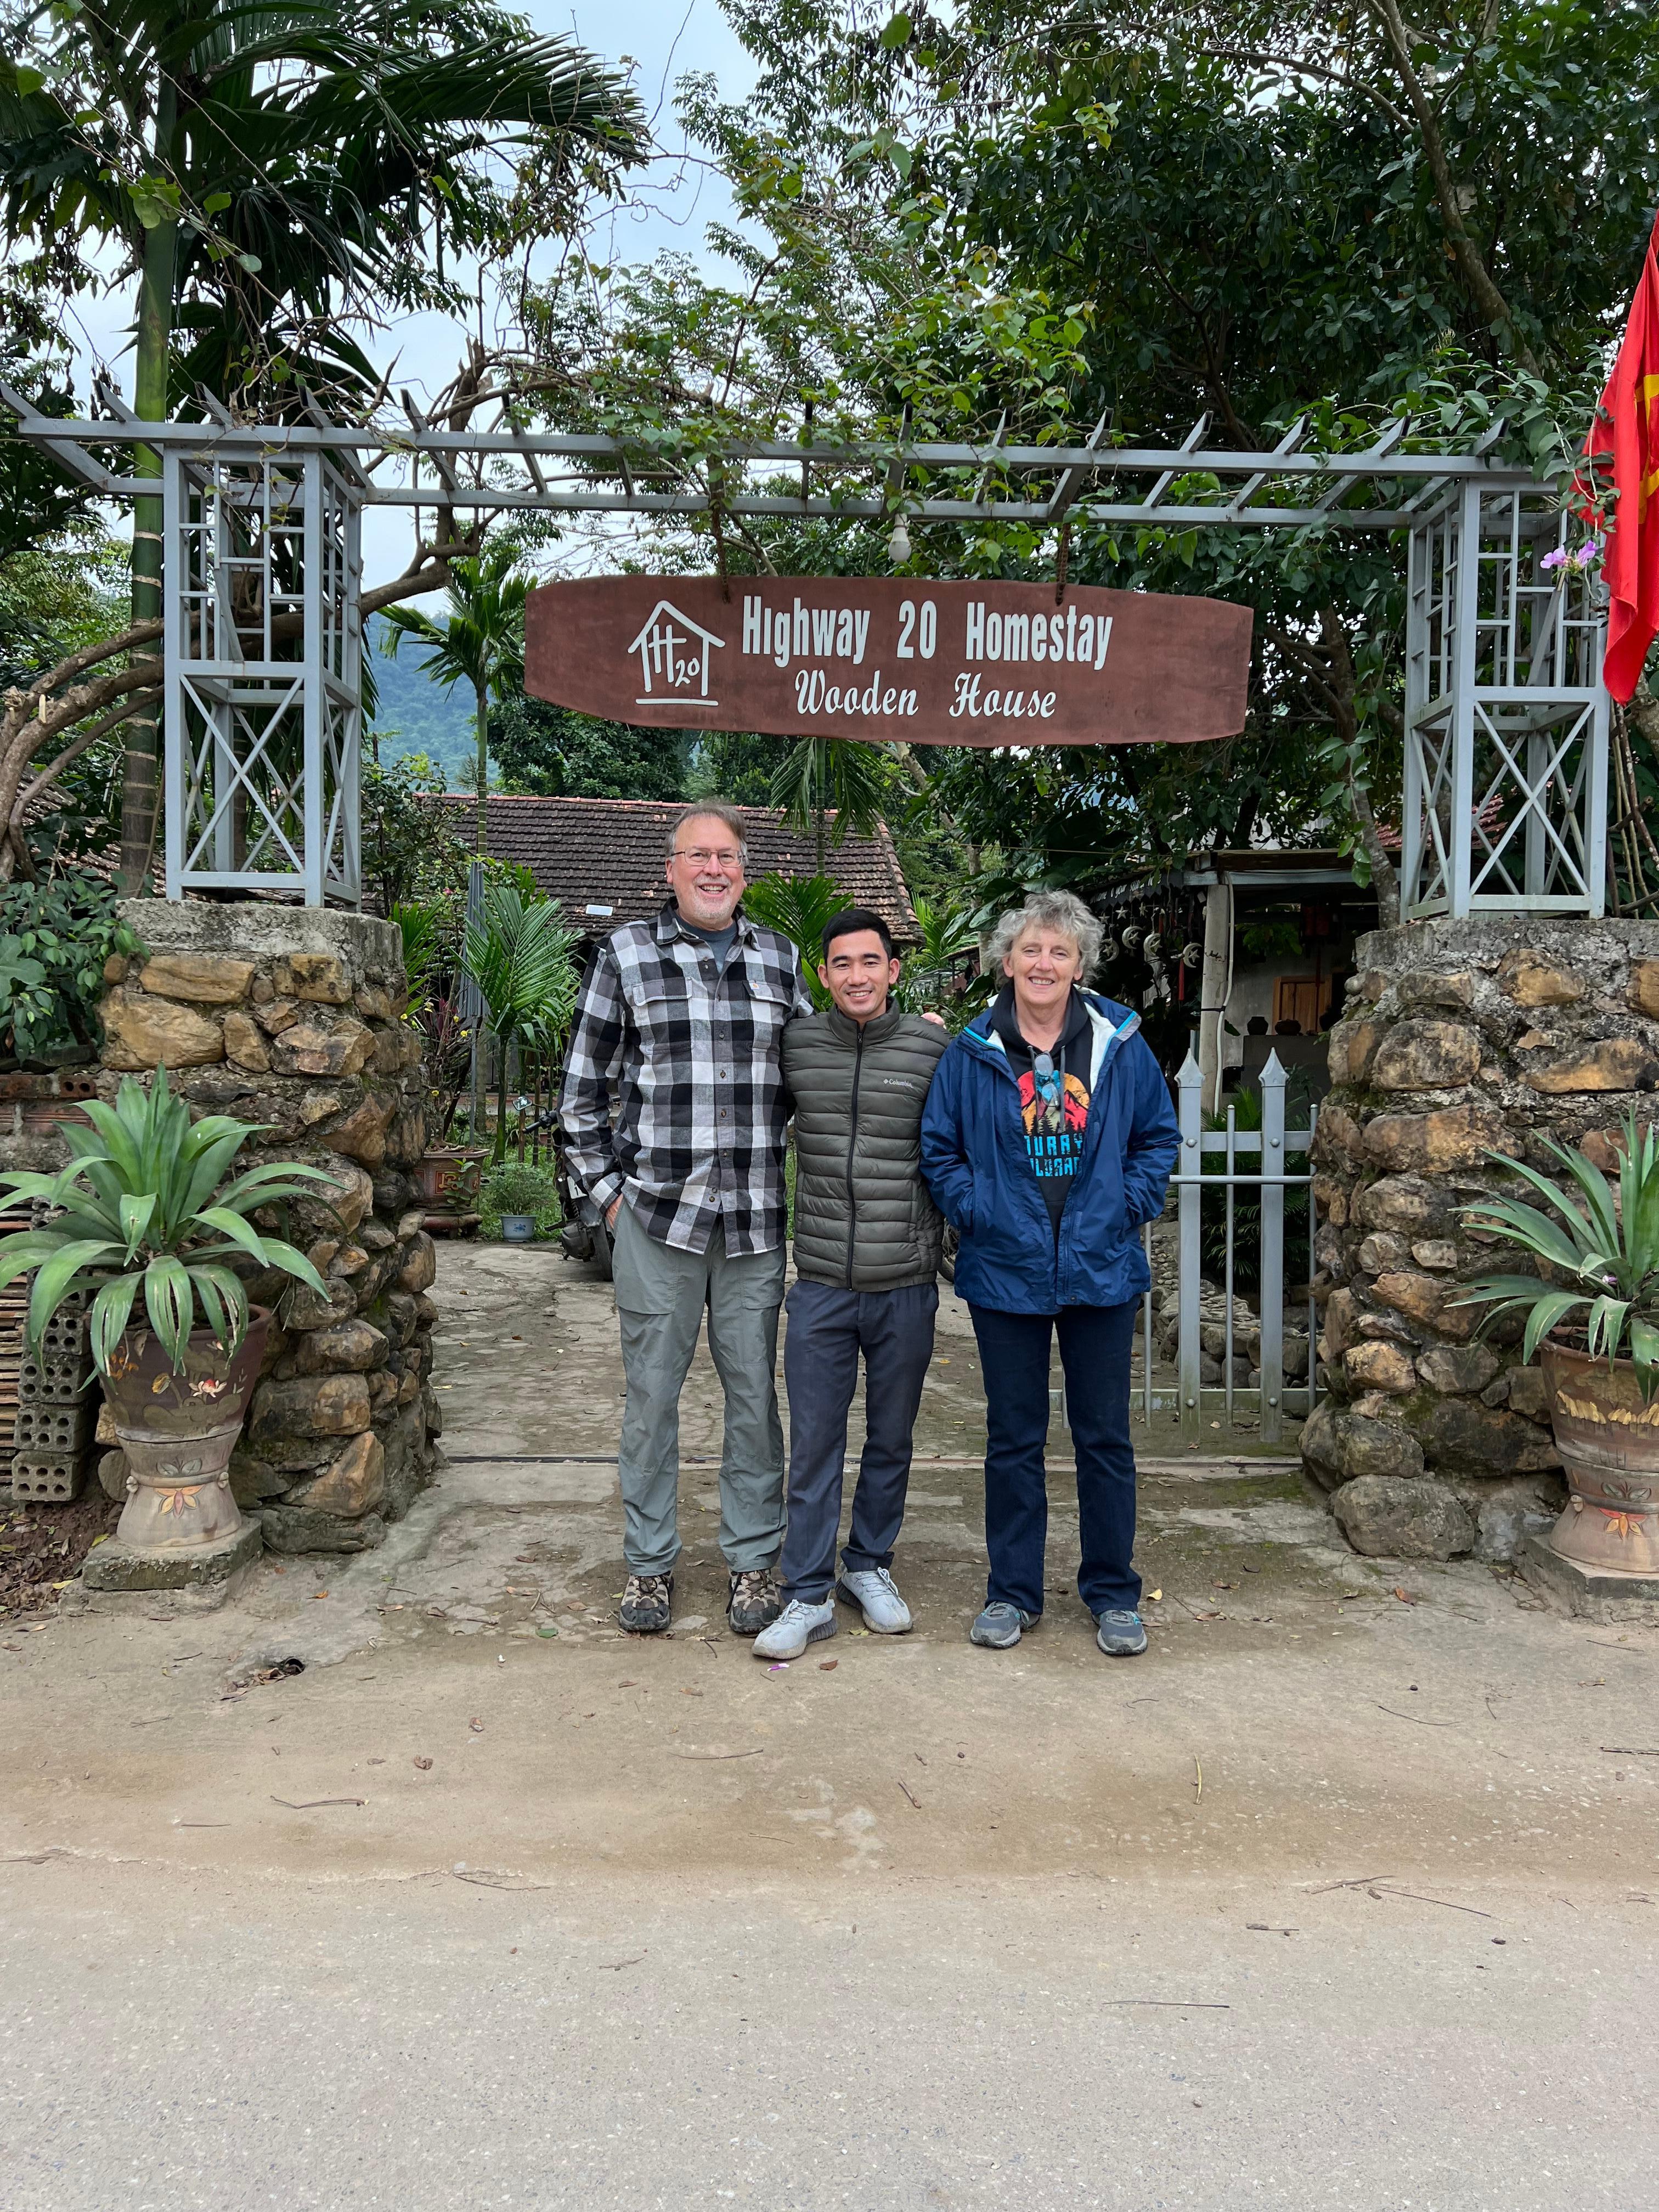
(754, 1603)
(645, 1603)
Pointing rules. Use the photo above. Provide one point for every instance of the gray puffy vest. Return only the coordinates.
(863, 1218)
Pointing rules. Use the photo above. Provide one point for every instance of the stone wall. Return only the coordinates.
(291, 1017)
(1459, 1040)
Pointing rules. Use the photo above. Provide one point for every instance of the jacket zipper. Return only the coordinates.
(852, 1146)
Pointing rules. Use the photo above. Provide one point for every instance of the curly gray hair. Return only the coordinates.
(1060, 911)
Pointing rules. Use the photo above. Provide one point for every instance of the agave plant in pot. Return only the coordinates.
(148, 1208)
(1597, 1319)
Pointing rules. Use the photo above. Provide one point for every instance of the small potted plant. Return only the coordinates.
(518, 1194)
(144, 1206)
(1601, 1251)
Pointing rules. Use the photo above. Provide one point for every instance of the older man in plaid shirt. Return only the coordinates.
(678, 1028)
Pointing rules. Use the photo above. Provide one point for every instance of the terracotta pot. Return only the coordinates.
(448, 1178)
(1608, 1435)
(178, 1432)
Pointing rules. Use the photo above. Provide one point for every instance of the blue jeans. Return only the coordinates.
(1094, 1343)
(828, 1329)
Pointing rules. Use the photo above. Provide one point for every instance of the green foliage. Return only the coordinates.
(40, 507)
(937, 976)
(55, 937)
(843, 776)
(737, 765)
(518, 1189)
(797, 908)
(521, 953)
(276, 169)
(409, 852)
(1274, 937)
(144, 1209)
(1605, 1244)
(561, 753)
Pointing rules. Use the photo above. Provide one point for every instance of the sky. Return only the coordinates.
(670, 206)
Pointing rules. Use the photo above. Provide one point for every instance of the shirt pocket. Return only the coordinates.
(771, 1004)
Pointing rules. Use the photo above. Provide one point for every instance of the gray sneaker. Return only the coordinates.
(1000, 1626)
(1121, 1635)
(799, 1624)
(874, 1592)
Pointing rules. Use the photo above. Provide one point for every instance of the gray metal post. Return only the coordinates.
(1147, 1323)
(350, 800)
(315, 569)
(173, 703)
(1273, 1250)
(1596, 824)
(1189, 1087)
(1420, 576)
(1461, 832)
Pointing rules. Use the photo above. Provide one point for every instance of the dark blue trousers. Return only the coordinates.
(1094, 1343)
(828, 1329)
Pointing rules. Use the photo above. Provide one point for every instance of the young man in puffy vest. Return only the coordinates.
(867, 1243)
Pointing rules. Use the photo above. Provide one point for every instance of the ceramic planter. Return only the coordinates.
(517, 1228)
(178, 1432)
(1608, 1433)
(448, 1178)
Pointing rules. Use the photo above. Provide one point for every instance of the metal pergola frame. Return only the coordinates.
(262, 745)
(562, 471)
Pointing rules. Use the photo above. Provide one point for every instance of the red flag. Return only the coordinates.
(1624, 446)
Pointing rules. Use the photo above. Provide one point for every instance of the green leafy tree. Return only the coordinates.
(269, 175)
(479, 642)
(559, 753)
(409, 849)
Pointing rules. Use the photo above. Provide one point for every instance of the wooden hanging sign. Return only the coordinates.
(893, 657)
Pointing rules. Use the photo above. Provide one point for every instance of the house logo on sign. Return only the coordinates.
(673, 653)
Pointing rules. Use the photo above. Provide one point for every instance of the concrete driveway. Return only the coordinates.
(1346, 1895)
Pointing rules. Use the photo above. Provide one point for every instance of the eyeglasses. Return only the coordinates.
(701, 856)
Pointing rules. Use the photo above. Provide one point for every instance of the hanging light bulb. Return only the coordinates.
(898, 545)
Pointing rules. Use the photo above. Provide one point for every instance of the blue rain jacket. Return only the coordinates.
(974, 1163)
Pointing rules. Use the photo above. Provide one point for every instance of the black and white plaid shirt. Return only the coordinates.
(687, 1051)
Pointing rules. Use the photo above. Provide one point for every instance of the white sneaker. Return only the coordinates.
(795, 1627)
(875, 1593)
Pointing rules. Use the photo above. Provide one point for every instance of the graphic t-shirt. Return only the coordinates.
(1054, 1097)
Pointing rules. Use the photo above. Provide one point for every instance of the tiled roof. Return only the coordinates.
(608, 853)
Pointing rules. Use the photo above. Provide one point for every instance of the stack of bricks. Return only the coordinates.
(57, 1408)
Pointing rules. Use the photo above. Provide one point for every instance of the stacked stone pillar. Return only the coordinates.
(293, 1018)
(1459, 1041)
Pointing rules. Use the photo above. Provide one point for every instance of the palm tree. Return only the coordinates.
(521, 954)
(797, 908)
(264, 171)
(480, 642)
(840, 775)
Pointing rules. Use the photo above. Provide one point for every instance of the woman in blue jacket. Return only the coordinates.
(1047, 1139)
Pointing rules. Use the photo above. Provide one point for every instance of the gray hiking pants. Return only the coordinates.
(662, 1294)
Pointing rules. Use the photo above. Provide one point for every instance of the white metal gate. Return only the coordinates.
(1242, 1163)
